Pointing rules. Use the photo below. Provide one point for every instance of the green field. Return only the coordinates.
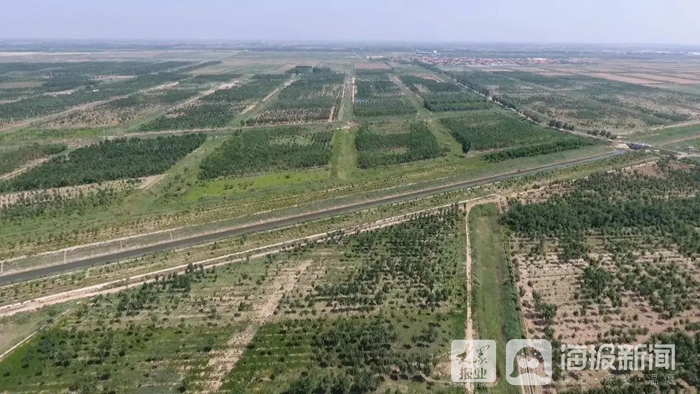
(493, 284)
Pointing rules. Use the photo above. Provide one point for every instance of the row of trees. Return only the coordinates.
(13, 158)
(558, 124)
(602, 133)
(537, 150)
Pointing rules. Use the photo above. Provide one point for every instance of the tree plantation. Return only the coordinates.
(107, 161)
(379, 96)
(623, 247)
(218, 109)
(256, 151)
(312, 97)
(501, 131)
(416, 143)
(13, 158)
(404, 311)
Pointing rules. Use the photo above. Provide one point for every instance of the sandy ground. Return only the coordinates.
(372, 66)
(431, 76)
(622, 78)
(16, 125)
(248, 109)
(664, 78)
(72, 191)
(224, 361)
(291, 81)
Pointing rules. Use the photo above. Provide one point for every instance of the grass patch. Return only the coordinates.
(344, 160)
(222, 187)
(667, 136)
(495, 310)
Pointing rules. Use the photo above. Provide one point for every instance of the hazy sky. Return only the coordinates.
(595, 21)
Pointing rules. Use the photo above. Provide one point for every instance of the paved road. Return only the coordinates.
(257, 227)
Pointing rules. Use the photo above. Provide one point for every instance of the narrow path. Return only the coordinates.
(344, 160)
(133, 125)
(468, 329)
(348, 98)
(414, 99)
(262, 104)
(677, 125)
(693, 137)
(224, 361)
(24, 168)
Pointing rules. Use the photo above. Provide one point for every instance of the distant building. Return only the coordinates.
(431, 53)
